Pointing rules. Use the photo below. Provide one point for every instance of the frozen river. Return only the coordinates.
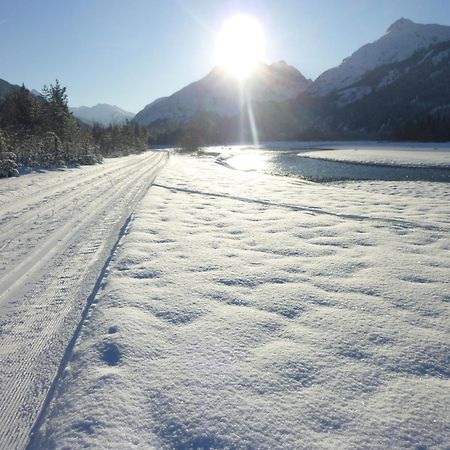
(337, 162)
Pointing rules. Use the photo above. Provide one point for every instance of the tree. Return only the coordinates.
(8, 165)
(57, 117)
(18, 110)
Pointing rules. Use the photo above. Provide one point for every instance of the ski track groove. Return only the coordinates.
(43, 313)
(46, 246)
(24, 215)
(70, 177)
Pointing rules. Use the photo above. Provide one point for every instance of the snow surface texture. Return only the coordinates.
(402, 39)
(57, 230)
(249, 311)
(391, 156)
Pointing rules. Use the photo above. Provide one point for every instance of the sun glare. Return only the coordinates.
(240, 45)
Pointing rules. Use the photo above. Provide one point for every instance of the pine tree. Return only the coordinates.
(55, 108)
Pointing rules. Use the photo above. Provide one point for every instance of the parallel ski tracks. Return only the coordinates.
(21, 211)
(64, 179)
(68, 203)
(45, 292)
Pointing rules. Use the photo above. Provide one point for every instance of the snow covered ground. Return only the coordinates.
(243, 310)
(392, 155)
(57, 230)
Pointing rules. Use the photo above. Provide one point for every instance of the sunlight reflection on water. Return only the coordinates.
(248, 162)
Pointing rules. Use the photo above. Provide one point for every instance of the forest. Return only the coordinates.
(38, 131)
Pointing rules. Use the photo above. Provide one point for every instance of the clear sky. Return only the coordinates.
(130, 52)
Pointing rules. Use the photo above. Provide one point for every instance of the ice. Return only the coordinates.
(244, 310)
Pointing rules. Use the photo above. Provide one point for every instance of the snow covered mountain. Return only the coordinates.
(401, 40)
(220, 93)
(395, 88)
(102, 114)
(407, 100)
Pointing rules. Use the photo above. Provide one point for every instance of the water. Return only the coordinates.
(292, 163)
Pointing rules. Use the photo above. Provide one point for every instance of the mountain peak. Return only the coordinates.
(281, 63)
(402, 39)
(400, 25)
(283, 66)
(220, 93)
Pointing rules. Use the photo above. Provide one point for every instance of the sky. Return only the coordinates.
(128, 53)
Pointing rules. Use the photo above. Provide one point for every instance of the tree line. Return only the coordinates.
(431, 128)
(39, 131)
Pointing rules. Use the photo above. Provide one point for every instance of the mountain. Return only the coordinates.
(401, 40)
(221, 94)
(409, 99)
(399, 89)
(102, 114)
(390, 96)
(394, 88)
(6, 88)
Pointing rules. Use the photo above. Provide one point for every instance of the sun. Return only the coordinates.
(240, 45)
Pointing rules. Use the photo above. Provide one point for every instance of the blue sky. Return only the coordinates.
(129, 52)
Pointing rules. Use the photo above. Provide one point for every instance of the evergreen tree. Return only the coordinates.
(18, 111)
(55, 109)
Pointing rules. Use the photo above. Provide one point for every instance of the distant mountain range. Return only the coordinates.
(401, 77)
(102, 114)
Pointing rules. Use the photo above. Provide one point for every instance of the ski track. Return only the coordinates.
(55, 235)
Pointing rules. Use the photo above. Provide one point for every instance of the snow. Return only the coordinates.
(57, 231)
(388, 79)
(441, 56)
(402, 39)
(243, 310)
(392, 155)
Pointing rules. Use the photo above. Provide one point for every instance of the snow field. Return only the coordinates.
(250, 311)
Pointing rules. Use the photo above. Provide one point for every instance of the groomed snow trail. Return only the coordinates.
(57, 230)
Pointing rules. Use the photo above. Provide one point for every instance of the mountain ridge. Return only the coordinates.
(395, 82)
(221, 93)
(401, 40)
(102, 114)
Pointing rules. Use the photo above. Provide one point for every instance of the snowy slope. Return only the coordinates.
(57, 229)
(102, 114)
(402, 39)
(221, 94)
(249, 311)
